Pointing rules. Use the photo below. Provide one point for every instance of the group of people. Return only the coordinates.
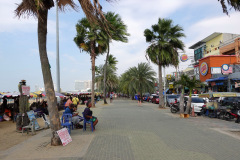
(71, 108)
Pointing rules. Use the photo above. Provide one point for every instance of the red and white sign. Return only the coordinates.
(64, 136)
(26, 90)
(204, 69)
(228, 71)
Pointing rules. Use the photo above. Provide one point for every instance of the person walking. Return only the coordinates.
(111, 97)
(139, 100)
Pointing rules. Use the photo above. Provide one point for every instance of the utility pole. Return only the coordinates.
(164, 88)
(57, 50)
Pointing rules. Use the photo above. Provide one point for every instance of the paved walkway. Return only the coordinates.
(127, 131)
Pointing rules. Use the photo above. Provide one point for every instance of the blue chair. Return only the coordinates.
(86, 121)
(67, 121)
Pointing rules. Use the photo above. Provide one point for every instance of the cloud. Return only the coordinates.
(10, 23)
(207, 26)
(70, 58)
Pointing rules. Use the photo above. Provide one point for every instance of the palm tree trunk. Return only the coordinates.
(93, 72)
(47, 77)
(182, 102)
(161, 98)
(189, 101)
(105, 76)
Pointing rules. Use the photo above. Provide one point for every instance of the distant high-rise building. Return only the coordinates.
(82, 85)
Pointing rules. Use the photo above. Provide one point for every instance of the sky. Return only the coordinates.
(19, 56)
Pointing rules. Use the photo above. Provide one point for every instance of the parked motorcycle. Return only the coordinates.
(175, 107)
(229, 113)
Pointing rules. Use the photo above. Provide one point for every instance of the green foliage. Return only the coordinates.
(235, 4)
(111, 79)
(138, 79)
(87, 34)
(164, 39)
(117, 28)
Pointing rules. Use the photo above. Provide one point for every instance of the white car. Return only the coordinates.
(197, 103)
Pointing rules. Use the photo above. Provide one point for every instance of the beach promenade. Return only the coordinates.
(127, 131)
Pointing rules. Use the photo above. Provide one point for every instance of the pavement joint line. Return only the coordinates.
(227, 132)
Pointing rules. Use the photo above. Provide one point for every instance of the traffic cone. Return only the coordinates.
(193, 113)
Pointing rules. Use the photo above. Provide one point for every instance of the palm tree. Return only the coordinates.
(182, 83)
(39, 9)
(139, 79)
(111, 79)
(118, 32)
(233, 3)
(192, 83)
(164, 39)
(126, 85)
(90, 39)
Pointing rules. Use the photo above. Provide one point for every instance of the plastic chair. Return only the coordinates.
(30, 126)
(67, 121)
(86, 121)
(46, 120)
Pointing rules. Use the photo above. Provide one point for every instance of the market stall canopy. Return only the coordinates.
(56, 94)
(32, 94)
(12, 94)
(220, 94)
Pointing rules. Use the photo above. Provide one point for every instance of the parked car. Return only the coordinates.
(155, 99)
(150, 97)
(197, 103)
(171, 98)
(226, 101)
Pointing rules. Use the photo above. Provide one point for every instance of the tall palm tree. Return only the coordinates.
(126, 85)
(139, 79)
(39, 9)
(164, 39)
(111, 79)
(182, 83)
(118, 32)
(235, 4)
(90, 39)
(192, 83)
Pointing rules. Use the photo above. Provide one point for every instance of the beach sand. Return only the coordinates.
(9, 135)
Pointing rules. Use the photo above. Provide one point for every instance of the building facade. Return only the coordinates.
(217, 61)
(82, 85)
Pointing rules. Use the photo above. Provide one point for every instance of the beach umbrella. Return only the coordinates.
(56, 94)
(32, 94)
(12, 94)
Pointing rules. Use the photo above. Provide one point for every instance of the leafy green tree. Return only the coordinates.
(138, 79)
(164, 39)
(39, 9)
(90, 39)
(182, 83)
(118, 32)
(235, 4)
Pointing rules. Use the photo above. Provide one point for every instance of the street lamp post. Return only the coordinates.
(57, 51)
(164, 88)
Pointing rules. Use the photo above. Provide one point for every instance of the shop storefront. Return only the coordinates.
(218, 72)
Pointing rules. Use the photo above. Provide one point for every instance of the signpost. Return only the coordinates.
(204, 69)
(64, 136)
(26, 90)
(215, 70)
(184, 58)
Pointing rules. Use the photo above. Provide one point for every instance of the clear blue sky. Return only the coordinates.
(19, 57)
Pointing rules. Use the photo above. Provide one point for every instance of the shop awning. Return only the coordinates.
(236, 79)
(217, 79)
